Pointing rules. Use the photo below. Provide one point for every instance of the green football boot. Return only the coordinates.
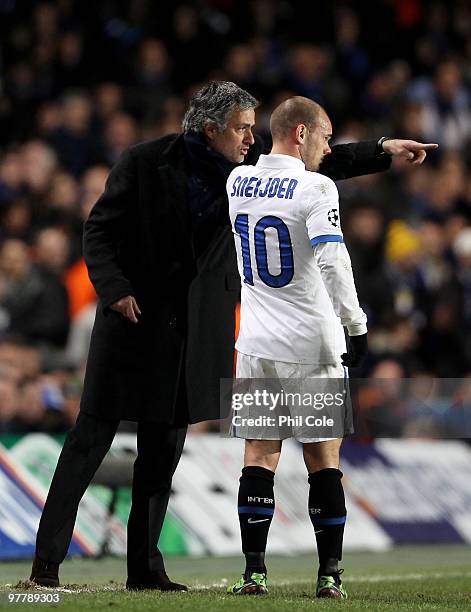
(331, 586)
(250, 584)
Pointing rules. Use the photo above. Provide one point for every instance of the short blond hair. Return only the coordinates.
(293, 112)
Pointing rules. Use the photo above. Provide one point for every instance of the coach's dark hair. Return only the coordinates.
(291, 113)
(215, 103)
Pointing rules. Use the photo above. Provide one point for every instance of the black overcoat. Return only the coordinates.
(138, 240)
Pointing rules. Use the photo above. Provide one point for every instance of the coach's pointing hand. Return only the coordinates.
(414, 152)
(127, 306)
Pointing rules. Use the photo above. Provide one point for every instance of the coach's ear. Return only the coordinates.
(211, 130)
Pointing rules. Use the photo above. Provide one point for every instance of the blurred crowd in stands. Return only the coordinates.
(80, 82)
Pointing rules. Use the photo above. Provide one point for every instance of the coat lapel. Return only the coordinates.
(173, 182)
(173, 179)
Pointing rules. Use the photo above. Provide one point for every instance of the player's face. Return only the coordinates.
(236, 139)
(316, 145)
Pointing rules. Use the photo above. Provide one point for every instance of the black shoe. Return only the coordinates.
(45, 573)
(158, 581)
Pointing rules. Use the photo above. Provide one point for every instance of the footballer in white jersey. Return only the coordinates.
(297, 283)
(298, 293)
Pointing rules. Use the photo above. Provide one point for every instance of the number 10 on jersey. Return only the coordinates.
(286, 274)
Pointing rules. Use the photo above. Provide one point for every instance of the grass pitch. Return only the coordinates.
(406, 578)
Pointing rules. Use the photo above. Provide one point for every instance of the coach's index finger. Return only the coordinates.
(132, 310)
(429, 146)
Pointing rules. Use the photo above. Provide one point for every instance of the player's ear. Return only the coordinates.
(301, 132)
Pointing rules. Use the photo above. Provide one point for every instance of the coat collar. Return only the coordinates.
(174, 152)
(173, 175)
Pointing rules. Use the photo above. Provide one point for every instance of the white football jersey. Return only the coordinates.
(297, 282)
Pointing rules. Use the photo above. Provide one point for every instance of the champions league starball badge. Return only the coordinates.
(333, 217)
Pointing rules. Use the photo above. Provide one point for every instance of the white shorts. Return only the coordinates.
(249, 367)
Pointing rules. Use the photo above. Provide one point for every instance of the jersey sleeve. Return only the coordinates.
(336, 271)
(322, 212)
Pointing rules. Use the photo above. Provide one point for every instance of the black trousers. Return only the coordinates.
(159, 450)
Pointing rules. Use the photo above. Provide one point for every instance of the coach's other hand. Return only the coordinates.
(356, 351)
(414, 152)
(127, 306)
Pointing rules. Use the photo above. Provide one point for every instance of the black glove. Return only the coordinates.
(356, 351)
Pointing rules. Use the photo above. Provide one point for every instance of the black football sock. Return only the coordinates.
(328, 514)
(256, 503)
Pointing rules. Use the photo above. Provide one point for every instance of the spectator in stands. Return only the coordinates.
(38, 410)
(446, 102)
(8, 405)
(32, 298)
(73, 141)
(38, 164)
(120, 133)
(383, 402)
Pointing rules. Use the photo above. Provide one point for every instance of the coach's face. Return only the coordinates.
(236, 139)
(316, 145)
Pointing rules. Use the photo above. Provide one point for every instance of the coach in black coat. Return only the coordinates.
(160, 253)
